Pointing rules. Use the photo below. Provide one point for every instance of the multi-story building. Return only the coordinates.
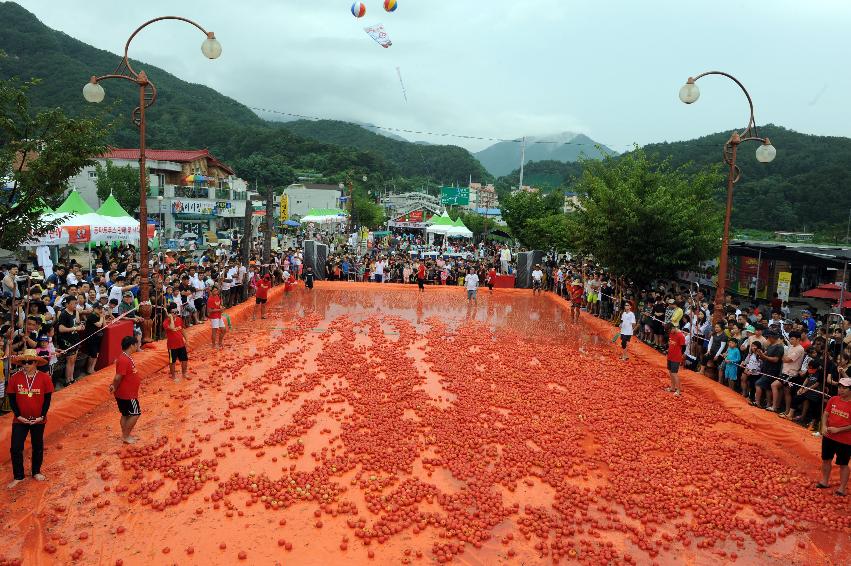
(305, 196)
(189, 190)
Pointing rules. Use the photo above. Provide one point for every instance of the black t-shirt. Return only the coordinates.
(773, 368)
(68, 320)
(91, 320)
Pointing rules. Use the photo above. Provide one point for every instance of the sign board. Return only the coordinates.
(186, 206)
(454, 196)
(285, 207)
(784, 284)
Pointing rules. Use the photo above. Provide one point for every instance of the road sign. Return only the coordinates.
(454, 196)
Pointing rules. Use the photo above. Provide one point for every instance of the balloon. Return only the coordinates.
(390, 5)
(358, 9)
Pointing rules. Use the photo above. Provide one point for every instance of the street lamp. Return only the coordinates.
(765, 153)
(94, 92)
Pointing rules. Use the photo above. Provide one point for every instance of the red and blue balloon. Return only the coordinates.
(358, 9)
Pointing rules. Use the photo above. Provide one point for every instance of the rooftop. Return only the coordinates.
(174, 155)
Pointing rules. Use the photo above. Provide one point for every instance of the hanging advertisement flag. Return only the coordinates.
(285, 207)
(378, 33)
(784, 284)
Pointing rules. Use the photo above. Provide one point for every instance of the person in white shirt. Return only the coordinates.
(231, 281)
(379, 271)
(197, 282)
(504, 258)
(537, 279)
(471, 282)
(628, 326)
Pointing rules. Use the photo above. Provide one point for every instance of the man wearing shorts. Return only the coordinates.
(125, 387)
(214, 313)
(836, 442)
(175, 341)
(262, 286)
(676, 343)
(576, 292)
(471, 282)
(628, 326)
(537, 279)
(421, 276)
(772, 362)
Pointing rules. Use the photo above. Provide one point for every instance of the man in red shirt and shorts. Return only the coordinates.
(175, 341)
(214, 313)
(29, 392)
(676, 343)
(576, 293)
(421, 276)
(125, 387)
(836, 442)
(261, 297)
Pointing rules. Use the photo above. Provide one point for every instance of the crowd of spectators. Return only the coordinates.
(778, 362)
(62, 313)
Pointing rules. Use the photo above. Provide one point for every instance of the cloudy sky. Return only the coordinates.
(503, 68)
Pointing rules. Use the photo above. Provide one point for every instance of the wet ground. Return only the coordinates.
(374, 424)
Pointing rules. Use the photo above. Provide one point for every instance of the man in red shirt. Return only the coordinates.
(836, 442)
(125, 387)
(676, 343)
(262, 286)
(491, 278)
(576, 292)
(29, 392)
(214, 313)
(175, 341)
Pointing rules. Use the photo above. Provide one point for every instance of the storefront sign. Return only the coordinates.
(185, 206)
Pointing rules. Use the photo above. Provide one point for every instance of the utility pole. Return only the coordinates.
(267, 234)
(246, 231)
(522, 162)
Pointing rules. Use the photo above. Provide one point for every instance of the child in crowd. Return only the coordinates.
(753, 367)
(731, 366)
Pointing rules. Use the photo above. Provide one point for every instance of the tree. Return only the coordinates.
(120, 182)
(521, 209)
(644, 219)
(38, 154)
(365, 212)
(265, 171)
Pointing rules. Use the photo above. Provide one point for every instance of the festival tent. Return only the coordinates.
(439, 224)
(459, 230)
(74, 204)
(325, 215)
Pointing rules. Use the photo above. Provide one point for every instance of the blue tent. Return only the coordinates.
(292, 223)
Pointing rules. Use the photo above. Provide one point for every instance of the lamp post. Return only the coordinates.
(765, 153)
(93, 92)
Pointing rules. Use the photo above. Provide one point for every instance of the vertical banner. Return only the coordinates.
(285, 207)
(784, 283)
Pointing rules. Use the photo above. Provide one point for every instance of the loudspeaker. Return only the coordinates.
(523, 275)
(526, 262)
(310, 256)
(321, 256)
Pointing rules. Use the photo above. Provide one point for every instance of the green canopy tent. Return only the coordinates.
(111, 207)
(74, 204)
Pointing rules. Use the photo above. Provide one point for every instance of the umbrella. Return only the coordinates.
(292, 223)
(829, 291)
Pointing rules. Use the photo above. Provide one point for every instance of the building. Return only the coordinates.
(571, 202)
(305, 196)
(190, 190)
(482, 196)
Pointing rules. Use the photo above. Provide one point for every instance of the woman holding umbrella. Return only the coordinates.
(29, 394)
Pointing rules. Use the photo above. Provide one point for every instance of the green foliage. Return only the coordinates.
(446, 164)
(265, 171)
(544, 175)
(806, 189)
(121, 182)
(528, 216)
(56, 147)
(365, 212)
(646, 219)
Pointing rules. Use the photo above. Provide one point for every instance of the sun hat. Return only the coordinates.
(845, 382)
(29, 355)
(36, 275)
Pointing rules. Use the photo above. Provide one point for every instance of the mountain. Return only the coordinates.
(503, 157)
(194, 116)
(807, 188)
(446, 164)
(545, 175)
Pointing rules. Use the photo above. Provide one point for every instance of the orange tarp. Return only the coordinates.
(373, 424)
